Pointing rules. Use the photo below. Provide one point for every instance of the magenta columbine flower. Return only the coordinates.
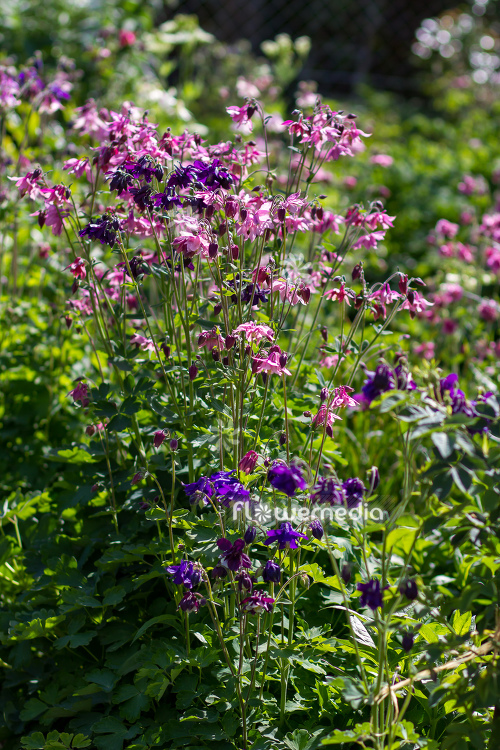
(186, 574)
(371, 595)
(274, 363)
(286, 479)
(77, 268)
(256, 603)
(80, 393)
(159, 438)
(248, 462)
(234, 557)
(286, 536)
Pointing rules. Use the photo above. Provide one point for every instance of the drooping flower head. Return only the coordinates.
(382, 380)
(256, 603)
(354, 490)
(286, 536)
(104, 229)
(271, 572)
(409, 589)
(228, 489)
(234, 556)
(328, 490)
(248, 462)
(201, 490)
(185, 574)
(286, 479)
(191, 602)
(371, 595)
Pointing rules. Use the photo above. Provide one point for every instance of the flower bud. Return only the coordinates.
(403, 283)
(212, 249)
(419, 282)
(324, 334)
(166, 350)
(407, 641)
(373, 478)
(320, 213)
(306, 414)
(248, 462)
(235, 252)
(346, 573)
(324, 394)
(90, 430)
(357, 271)
(217, 310)
(250, 533)
(281, 214)
(264, 377)
(215, 354)
(193, 372)
(316, 528)
(225, 361)
(139, 476)
(230, 341)
(283, 359)
(159, 438)
(243, 214)
(304, 580)
(358, 301)
(244, 581)
(209, 212)
(231, 208)
(222, 229)
(271, 572)
(68, 321)
(411, 296)
(409, 589)
(219, 572)
(174, 444)
(282, 439)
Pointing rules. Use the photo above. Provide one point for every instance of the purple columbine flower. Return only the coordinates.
(250, 534)
(234, 557)
(103, 229)
(142, 197)
(327, 490)
(181, 177)
(245, 582)
(354, 490)
(258, 296)
(382, 380)
(271, 572)
(346, 573)
(191, 602)
(316, 528)
(219, 572)
(201, 489)
(286, 479)
(404, 379)
(409, 589)
(167, 200)
(186, 574)
(228, 489)
(407, 641)
(145, 168)
(256, 603)
(212, 175)
(459, 404)
(121, 181)
(286, 536)
(158, 438)
(371, 595)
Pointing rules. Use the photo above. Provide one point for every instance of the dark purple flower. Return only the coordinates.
(191, 602)
(174, 444)
(142, 197)
(250, 534)
(286, 479)
(244, 581)
(316, 528)
(409, 589)
(138, 266)
(219, 572)
(193, 372)
(145, 168)
(181, 177)
(121, 181)
(407, 641)
(186, 574)
(271, 572)
(201, 489)
(234, 557)
(256, 603)
(346, 573)
(286, 536)
(382, 380)
(167, 200)
(258, 295)
(371, 595)
(354, 490)
(404, 379)
(459, 404)
(327, 490)
(103, 229)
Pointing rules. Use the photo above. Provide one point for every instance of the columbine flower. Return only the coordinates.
(200, 490)
(354, 490)
(103, 229)
(257, 603)
(327, 490)
(342, 398)
(371, 595)
(159, 438)
(459, 404)
(407, 641)
(213, 175)
(77, 268)
(286, 536)
(191, 602)
(186, 574)
(248, 462)
(210, 339)
(379, 382)
(274, 363)
(80, 393)
(409, 589)
(234, 557)
(286, 479)
(340, 295)
(242, 115)
(325, 414)
(271, 572)
(167, 200)
(228, 489)
(316, 528)
(250, 534)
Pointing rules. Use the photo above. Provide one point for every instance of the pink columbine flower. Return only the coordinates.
(325, 414)
(340, 295)
(342, 399)
(369, 241)
(28, 184)
(142, 342)
(77, 268)
(255, 332)
(425, 350)
(274, 363)
(242, 116)
(159, 437)
(488, 310)
(292, 292)
(80, 393)
(447, 229)
(493, 258)
(211, 339)
(248, 462)
(126, 38)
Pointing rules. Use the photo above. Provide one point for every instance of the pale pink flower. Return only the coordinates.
(342, 399)
(447, 229)
(425, 350)
(339, 295)
(240, 116)
(255, 332)
(294, 293)
(79, 167)
(369, 241)
(382, 160)
(274, 363)
(142, 342)
(28, 184)
(211, 339)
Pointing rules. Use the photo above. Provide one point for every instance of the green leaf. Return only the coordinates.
(444, 443)
(32, 709)
(461, 622)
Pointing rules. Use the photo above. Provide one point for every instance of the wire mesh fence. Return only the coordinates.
(354, 41)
